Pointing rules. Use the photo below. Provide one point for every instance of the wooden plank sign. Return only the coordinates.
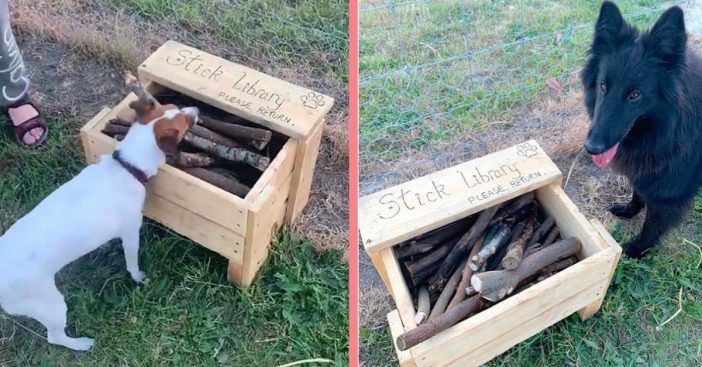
(277, 104)
(418, 206)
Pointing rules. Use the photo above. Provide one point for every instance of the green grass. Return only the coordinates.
(186, 314)
(492, 58)
(282, 32)
(643, 295)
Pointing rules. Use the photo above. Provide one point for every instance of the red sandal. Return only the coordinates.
(19, 111)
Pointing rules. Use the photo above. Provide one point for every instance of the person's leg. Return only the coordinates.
(14, 85)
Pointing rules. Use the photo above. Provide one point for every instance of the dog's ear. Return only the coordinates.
(608, 29)
(667, 39)
(167, 141)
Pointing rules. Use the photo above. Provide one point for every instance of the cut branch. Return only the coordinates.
(496, 285)
(421, 269)
(513, 207)
(226, 183)
(499, 239)
(495, 261)
(137, 88)
(541, 231)
(190, 160)
(559, 265)
(551, 237)
(257, 138)
(462, 247)
(428, 241)
(113, 129)
(439, 324)
(229, 153)
(458, 297)
(446, 294)
(423, 305)
(515, 251)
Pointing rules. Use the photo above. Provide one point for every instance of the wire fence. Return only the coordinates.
(442, 82)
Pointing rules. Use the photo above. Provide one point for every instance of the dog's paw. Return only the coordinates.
(625, 211)
(636, 250)
(139, 277)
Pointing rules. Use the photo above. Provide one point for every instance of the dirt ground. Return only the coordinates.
(75, 73)
(559, 123)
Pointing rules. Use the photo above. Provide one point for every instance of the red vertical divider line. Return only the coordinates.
(353, 184)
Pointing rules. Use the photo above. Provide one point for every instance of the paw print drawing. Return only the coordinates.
(312, 100)
(527, 150)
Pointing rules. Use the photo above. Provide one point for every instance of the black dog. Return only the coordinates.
(643, 92)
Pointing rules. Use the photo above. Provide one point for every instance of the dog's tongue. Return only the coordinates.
(604, 159)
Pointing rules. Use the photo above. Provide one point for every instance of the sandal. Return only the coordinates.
(29, 118)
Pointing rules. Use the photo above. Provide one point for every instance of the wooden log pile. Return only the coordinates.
(222, 149)
(467, 266)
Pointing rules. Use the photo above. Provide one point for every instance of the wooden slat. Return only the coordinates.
(88, 144)
(277, 171)
(265, 215)
(303, 173)
(277, 104)
(396, 329)
(199, 229)
(400, 292)
(507, 315)
(525, 330)
(200, 197)
(587, 312)
(569, 219)
(406, 210)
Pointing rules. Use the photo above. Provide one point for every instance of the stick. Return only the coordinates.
(427, 242)
(112, 129)
(495, 261)
(496, 285)
(226, 183)
(190, 160)
(449, 290)
(423, 305)
(551, 237)
(438, 280)
(439, 324)
(214, 137)
(231, 154)
(467, 272)
(137, 88)
(499, 239)
(515, 251)
(559, 265)
(423, 268)
(531, 250)
(257, 138)
(122, 122)
(541, 231)
(514, 206)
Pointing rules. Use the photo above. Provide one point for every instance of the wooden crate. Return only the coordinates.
(237, 228)
(391, 216)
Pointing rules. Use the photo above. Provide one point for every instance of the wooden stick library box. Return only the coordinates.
(237, 228)
(391, 216)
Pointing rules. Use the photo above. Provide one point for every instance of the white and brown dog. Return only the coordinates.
(101, 203)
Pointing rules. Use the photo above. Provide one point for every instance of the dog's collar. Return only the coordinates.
(137, 173)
